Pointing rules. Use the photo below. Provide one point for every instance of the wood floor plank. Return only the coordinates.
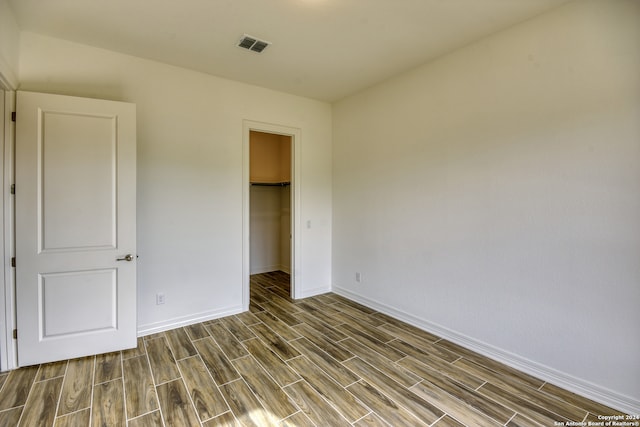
(466, 395)
(520, 421)
(135, 352)
(327, 298)
(246, 406)
(278, 326)
(452, 406)
(490, 364)
(269, 360)
(276, 291)
(406, 327)
(10, 417)
(368, 328)
(274, 341)
(429, 352)
(385, 407)
(197, 331)
(16, 388)
(321, 327)
(254, 307)
(285, 312)
(204, 393)
(265, 388)
(51, 370)
(345, 402)
(314, 406)
(153, 336)
(152, 419)
(237, 325)
(329, 346)
(415, 404)
(328, 364)
(180, 343)
(350, 314)
(356, 305)
(452, 371)
(108, 367)
(371, 420)
(502, 369)
(247, 318)
(227, 420)
(387, 367)
(284, 293)
(297, 420)
(323, 312)
(518, 388)
(175, 405)
(420, 343)
(227, 341)
(77, 419)
(485, 374)
(216, 362)
(579, 401)
(163, 365)
(372, 343)
(108, 405)
(447, 421)
(77, 388)
(139, 387)
(522, 406)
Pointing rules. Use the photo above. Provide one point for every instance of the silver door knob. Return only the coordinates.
(127, 257)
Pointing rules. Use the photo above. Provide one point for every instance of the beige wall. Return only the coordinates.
(190, 171)
(493, 196)
(270, 157)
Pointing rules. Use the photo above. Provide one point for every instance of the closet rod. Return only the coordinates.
(271, 184)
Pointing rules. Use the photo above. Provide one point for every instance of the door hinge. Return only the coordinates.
(15, 334)
(13, 116)
(13, 261)
(13, 189)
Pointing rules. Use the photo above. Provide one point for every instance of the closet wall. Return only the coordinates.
(270, 202)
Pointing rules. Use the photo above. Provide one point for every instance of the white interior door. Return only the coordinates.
(75, 227)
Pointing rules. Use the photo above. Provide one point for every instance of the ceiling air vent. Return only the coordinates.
(253, 43)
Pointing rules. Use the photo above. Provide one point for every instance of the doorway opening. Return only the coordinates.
(270, 211)
(271, 214)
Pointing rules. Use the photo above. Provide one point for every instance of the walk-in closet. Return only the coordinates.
(270, 202)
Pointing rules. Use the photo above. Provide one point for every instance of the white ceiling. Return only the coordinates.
(323, 49)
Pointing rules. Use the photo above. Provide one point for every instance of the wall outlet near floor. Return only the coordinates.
(358, 277)
(159, 299)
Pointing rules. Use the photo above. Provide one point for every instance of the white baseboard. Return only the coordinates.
(584, 388)
(264, 269)
(165, 325)
(270, 268)
(284, 268)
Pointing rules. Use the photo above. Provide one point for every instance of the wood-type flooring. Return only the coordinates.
(323, 361)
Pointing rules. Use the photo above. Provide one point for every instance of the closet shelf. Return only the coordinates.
(271, 184)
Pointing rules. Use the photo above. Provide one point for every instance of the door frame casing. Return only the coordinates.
(8, 348)
(295, 134)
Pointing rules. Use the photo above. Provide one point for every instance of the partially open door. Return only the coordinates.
(75, 226)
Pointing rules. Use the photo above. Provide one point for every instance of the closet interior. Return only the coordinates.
(270, 202)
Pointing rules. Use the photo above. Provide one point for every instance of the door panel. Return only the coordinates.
(75, 216)
(96, 290)
(91, 225)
